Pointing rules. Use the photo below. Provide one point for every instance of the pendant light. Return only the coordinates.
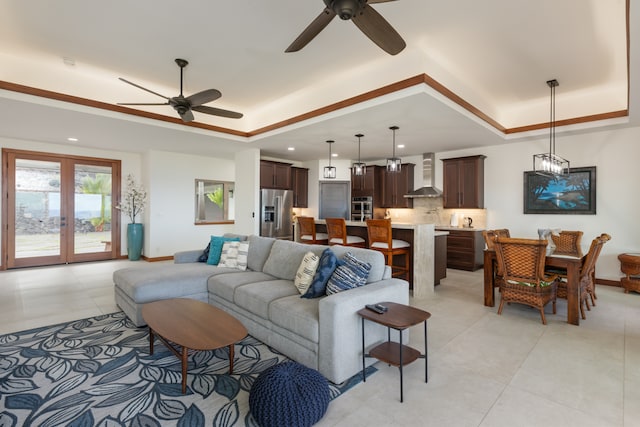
(359, 168)
(549, 164)
(394, 163)
(330, 171)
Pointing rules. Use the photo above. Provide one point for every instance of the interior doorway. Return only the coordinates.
(59, 209)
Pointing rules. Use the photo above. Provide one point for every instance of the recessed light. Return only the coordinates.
(291, 148)
(334, 155)
(71, 139)
(400, 145)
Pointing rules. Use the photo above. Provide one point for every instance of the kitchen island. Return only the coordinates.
(421, 238)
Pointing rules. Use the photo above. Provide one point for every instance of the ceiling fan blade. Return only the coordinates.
(217, 112)
(187, 116)
(312, 30)
(203, 97)
(379, 1)
(374, 26)
(143, 103)
(143, 88)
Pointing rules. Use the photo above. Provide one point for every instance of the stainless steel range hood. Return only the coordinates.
(428, 178)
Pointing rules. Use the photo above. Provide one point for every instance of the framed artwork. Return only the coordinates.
(574, 194)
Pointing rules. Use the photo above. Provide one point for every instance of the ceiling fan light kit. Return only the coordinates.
(370, 22)
(185, 106)
(394, 164)
(329, 171)
(550, 164)
(359, 168)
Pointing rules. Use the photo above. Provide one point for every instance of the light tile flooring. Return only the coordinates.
(484, 370)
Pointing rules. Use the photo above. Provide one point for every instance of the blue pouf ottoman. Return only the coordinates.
(289, 394)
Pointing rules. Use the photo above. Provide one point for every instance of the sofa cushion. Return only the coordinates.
(351, 274)
(285, 258)
(215, 248)
(256, 297)
(326, 267)
(234, 255)
(375, 258)
(299, 316)
(306, 272)
(259, 249)
(224, 285)
(159, 282)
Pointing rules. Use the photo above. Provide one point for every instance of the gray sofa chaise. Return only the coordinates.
(322, 333)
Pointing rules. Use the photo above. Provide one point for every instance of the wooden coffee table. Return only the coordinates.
(191, 325)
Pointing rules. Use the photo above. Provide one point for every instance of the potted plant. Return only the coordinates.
(135, 199)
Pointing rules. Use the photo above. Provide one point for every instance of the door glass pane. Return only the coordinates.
(92, 209)
(37, 192)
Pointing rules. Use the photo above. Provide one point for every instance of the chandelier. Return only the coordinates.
(550, 164)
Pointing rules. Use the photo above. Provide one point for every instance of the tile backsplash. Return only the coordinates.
(430, 210)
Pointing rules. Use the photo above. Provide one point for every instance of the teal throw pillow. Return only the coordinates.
(215, 248)
(326, 267)
(351, 274)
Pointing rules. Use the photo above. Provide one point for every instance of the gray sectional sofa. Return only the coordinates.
(322, 333)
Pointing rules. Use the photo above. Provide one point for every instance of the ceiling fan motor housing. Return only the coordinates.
(346, 9)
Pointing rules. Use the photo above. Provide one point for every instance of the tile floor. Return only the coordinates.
(484, 370)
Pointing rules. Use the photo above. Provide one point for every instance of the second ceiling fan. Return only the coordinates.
(370, 22)
(184, 105)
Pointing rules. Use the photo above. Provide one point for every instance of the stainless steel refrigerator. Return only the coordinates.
(275, 214)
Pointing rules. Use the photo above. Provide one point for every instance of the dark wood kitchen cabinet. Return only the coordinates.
(396, 185)
(300, 187)
(463, 180)
(369, 184)
(465, 249)
(439, 258)
(275, 175)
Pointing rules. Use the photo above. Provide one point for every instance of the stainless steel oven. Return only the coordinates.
(361, 208)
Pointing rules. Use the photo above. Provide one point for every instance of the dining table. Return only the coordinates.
(569, 263)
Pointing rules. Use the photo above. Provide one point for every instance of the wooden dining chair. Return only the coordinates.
(380, 239)
(567, 243)
(489, 239)
(308, 233)
(587, 271)
(337, 234)
(524, 281)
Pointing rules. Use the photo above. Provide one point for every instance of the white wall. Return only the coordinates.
(247, 195)
(615, 153)
(170, 218)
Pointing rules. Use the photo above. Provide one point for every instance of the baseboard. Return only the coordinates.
(157, 259)
(606, 282)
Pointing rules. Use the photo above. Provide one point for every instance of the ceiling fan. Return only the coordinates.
(370, 22)
(184, 106)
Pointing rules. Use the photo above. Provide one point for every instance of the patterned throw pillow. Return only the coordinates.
(351, 274)
(204, 256)
(234, 255)
(306, 271)
(215, 248)
(326, 267)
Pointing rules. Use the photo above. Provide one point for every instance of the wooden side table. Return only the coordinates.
(398, 317)
(630, 265)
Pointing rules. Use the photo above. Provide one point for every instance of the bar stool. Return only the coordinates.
(308, 232)
(337, 231)
(380, 239)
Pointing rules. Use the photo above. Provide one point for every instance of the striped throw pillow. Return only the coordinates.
(234, 255)
(351, 274)
(306, 271)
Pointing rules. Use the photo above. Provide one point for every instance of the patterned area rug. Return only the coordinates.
(98, 372)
